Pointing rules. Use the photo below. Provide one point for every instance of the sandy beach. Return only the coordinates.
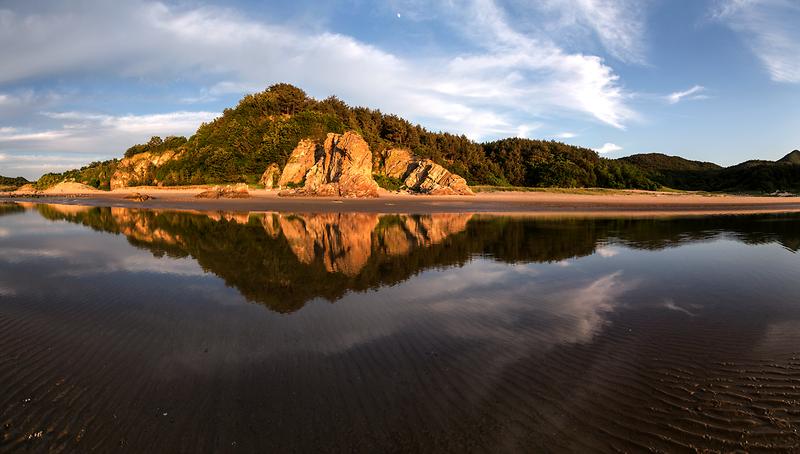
(596, 202)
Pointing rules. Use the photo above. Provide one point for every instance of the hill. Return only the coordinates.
(749, 176)
(673, 171)
(791, 158)
(12, 182)
(265, 127)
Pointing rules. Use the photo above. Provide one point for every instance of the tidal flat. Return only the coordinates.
(153, 330)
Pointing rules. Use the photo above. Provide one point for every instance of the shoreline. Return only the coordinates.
(577, 202)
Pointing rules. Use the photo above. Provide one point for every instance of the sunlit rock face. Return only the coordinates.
(422, 175)
(298, 164)
(139, 167)
(428, 177)
(396, 162)
(341, 167)
(269, 176)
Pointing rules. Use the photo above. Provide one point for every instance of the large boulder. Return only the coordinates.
(343, 168)
(396, 162)
(427, 177)
(300, 161)
(269, 176)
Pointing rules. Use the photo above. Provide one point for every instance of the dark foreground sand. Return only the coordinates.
(589, 202)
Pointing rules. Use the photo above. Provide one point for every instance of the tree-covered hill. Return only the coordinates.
(749, 176)
(264, 128)
(12, 182)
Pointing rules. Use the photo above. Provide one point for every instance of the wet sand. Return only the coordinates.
(587, 201)
(518, 336)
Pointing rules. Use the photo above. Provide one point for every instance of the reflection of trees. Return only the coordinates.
(10, 208)
(284, 260)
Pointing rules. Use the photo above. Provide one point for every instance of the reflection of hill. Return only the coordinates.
(10, 208)
(284, 260)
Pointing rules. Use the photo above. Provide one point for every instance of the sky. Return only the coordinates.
(711, 80)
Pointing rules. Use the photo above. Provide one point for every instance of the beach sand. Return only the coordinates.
(594, 202)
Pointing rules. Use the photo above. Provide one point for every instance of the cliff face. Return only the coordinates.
(139, 167)
(423, 175)
(342, 167)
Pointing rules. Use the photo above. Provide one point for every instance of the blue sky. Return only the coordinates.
(715, 80)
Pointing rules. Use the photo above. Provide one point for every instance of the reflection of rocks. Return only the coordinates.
(344, 242)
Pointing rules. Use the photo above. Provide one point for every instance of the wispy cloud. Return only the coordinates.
(608, 147)
(565, 135)
(618, 24)
(694, 93)
(770, 29)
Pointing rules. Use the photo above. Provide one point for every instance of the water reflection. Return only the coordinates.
(284, 260)
(448, 332)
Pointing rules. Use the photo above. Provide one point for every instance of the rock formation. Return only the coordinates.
(343, 168)
(238, 191)
(423, 175)
(301, 159)
(139, 167)
(396, 162)
(428, 177)
(269, 176)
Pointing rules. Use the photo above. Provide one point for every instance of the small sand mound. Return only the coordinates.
(70, 188)
(26, 189)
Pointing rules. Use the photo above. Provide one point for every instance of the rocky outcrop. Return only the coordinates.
(140, 167)
(422, 175)
(300, 161)
(270, 175)
(427, 177)
(343, 167)
(396, 162)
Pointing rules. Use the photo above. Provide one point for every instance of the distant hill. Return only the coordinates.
(748, 176)
(673, 171)
(12, 182)
(791, 158)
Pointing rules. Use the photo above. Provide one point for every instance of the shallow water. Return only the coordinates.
(179, 332)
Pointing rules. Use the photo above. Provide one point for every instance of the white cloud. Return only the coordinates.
(506, 78)
(565, 135)
(770, 29)
(693, 93)
(608, 148)
(81, 137)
